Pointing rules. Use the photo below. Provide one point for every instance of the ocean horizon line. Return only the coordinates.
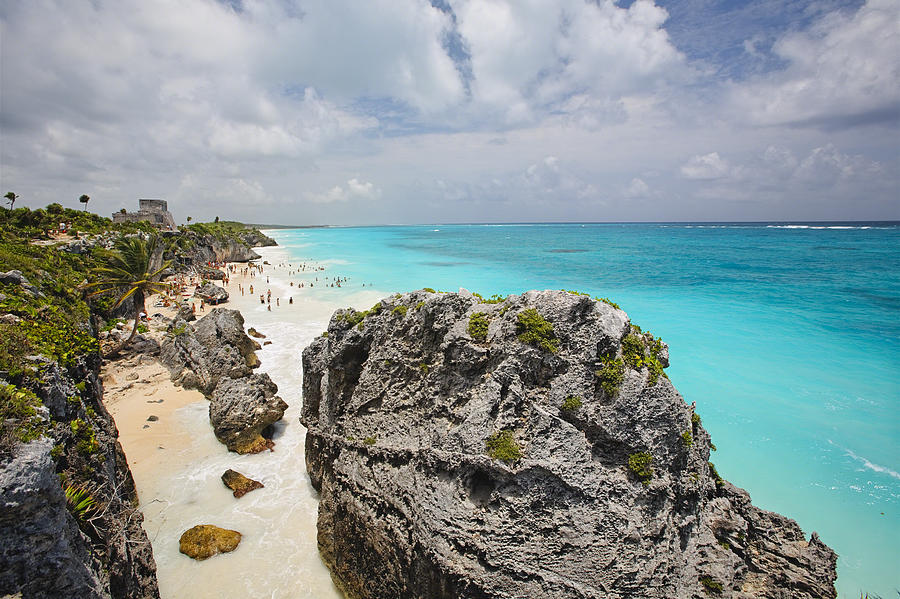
(833, 224)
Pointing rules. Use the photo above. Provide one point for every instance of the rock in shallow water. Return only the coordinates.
(606, 492)
(205, 540)
(240, 484)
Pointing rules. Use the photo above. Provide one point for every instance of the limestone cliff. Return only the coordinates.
(197, 246)
(90, 544)
(215, 356)
(597, 484)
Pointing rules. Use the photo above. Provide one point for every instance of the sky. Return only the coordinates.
(410, 111)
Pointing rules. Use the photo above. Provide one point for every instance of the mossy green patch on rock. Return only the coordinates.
(478, 326)
(571, 404)
(502, 446)
(205, 540)
(611, 376)
(640, 464)
(535, 330)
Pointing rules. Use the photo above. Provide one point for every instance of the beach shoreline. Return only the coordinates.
(177, 461)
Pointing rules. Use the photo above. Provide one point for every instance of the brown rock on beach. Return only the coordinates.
(205, 540)
(240, 484)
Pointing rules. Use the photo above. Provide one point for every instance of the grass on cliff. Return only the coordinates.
(478, 326)
(641, 466)
(535, 330)
(502, 446)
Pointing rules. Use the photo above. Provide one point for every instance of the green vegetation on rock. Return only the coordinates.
(571, 404)
(641, 465)
(535, 330)
(354, 318)
(478, 326)
(687, 439)
(611, 376)
(84, 436)
(712, 586)
(502, 446)
(400, 310)
(715, 474)
(79, 501)
(19, 418)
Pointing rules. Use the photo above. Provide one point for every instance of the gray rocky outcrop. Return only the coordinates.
(215, 356)
(211, 293)
(15, 277)
(604, 489)
(47, 548)
(241, 409)
(199, 354)
(38, 534)
(197, 250)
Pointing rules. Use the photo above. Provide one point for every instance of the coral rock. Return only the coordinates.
(205, 540)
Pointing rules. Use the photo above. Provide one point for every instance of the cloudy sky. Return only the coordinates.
(410, 111)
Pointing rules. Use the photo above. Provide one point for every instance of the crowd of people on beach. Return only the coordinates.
(256, 271)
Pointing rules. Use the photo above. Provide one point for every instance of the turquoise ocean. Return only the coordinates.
(787, 337)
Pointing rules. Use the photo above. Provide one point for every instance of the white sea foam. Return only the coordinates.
(866, 463)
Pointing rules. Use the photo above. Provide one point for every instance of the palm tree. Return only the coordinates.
(11, 198)
(132, 269)
(189, 220)
(84, 199)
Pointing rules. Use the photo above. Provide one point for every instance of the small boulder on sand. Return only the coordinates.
(240, 484)
(254, 333)
(205, 540)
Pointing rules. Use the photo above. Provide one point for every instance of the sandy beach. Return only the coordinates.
(177, 462)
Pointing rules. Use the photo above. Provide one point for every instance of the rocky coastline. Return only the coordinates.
(215, 356)
(68, 505)
(527, 447)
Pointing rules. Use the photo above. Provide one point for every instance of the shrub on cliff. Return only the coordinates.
(478, 326)
(535, 330)
(640, 465)
(611, 376)
(502, 446)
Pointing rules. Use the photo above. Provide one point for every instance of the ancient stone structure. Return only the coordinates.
(156, 212)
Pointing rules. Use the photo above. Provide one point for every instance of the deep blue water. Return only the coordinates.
(786, 336)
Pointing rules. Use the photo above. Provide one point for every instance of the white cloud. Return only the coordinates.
(531, 57)
(706, 167)
(841, 72)
(637, 189)
(354, 190)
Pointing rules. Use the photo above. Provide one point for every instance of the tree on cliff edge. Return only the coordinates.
(11, 198)
(129, 270)
(84, 199)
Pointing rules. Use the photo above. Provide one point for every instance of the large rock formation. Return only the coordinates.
(599, 484)
(198, 249)
(217, 357)
(49, 547)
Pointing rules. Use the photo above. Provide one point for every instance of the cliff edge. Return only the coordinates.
(526, 447)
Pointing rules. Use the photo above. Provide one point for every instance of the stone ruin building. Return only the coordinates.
(156, 212)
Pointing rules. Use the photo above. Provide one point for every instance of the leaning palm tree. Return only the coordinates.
(11, 198)
(84, 199)
(133, 270)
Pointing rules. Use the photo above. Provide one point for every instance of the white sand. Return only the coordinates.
(177, 461)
